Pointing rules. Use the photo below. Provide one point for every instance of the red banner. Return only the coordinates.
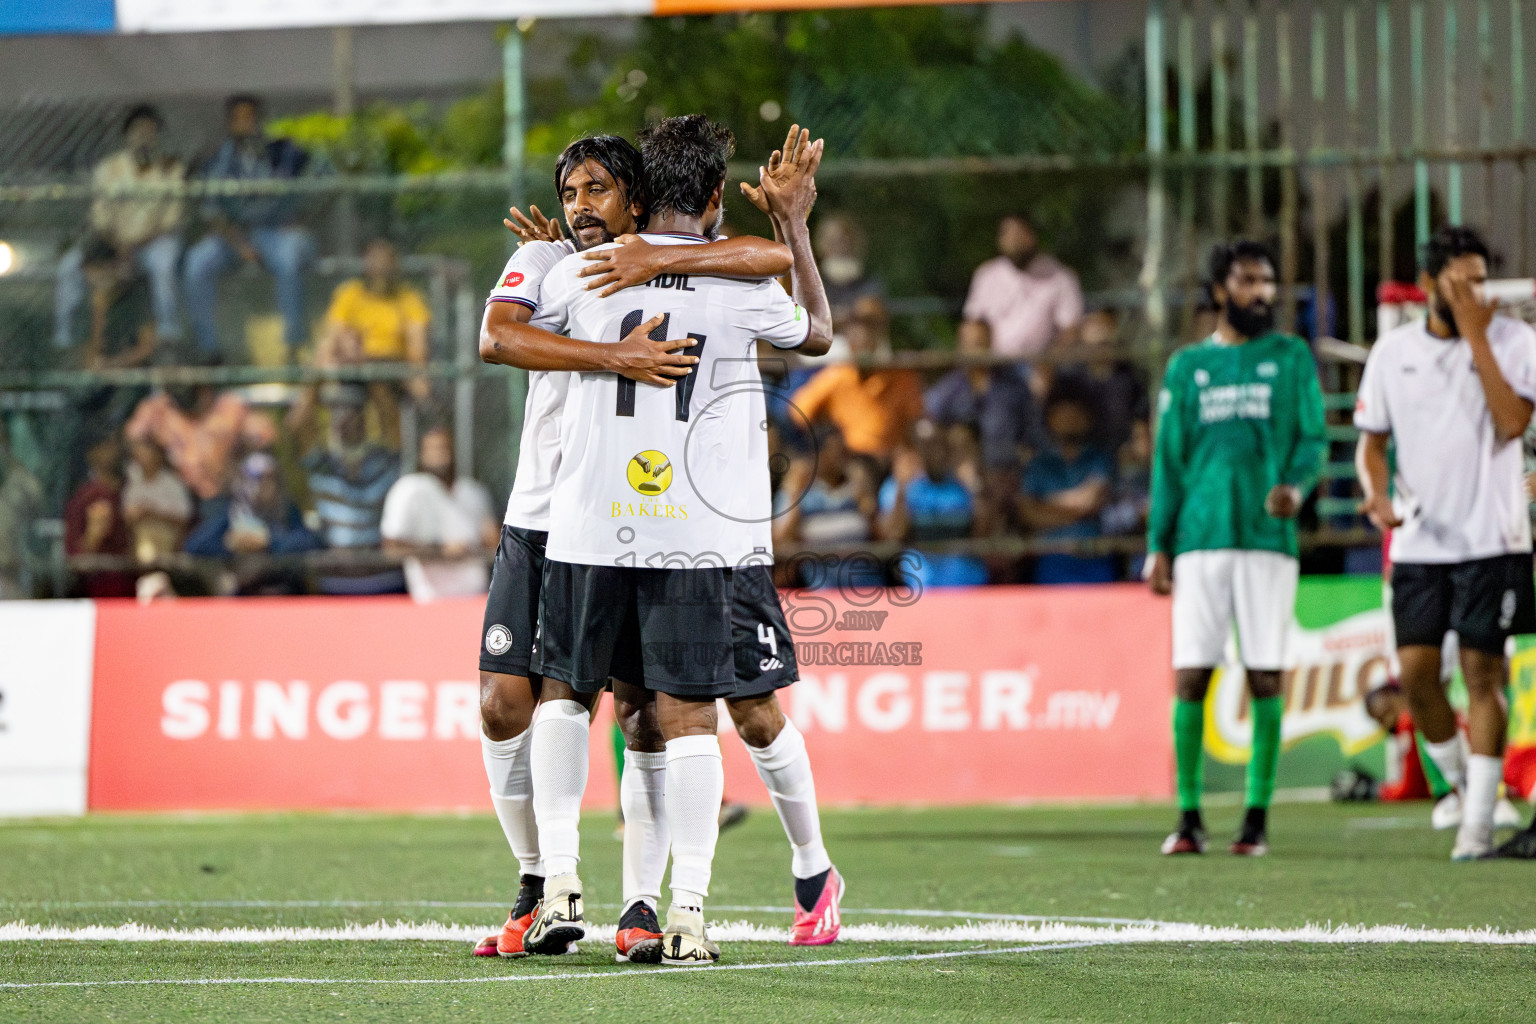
(1001, 693)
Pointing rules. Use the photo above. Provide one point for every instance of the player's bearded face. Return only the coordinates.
(1252, 320)
(597, 209)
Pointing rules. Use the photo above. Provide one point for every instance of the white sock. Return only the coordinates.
(559, 763)
(647, 840)
(1450, 758)
(695, 784)
(1483, 776)
(785, 769)
(507, 766)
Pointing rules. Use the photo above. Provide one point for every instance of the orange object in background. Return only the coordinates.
(992, 694)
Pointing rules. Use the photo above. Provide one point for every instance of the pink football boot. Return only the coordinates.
(819, 925)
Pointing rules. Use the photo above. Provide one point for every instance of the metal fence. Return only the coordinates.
(1343, 131)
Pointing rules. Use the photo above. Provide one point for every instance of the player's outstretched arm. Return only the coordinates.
(787, 192)
(637, 261)
(507, 339)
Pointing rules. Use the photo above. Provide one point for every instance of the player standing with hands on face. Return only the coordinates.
(1454, 392)
(1240, 441)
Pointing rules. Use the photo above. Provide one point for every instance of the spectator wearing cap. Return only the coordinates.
(992, 400)
(255, 518)
(349, 478)
(441, 523)
(873, 408)
(144, 230)
(1029, 299)
(927, 498)
(1066, 486)
(379, 318)
(94, 523)
(256, 229)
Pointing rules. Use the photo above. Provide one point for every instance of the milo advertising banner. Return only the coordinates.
(1340, 650)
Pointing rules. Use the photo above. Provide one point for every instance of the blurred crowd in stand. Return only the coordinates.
(1051, 442)
(1037, 428)
(158, 474)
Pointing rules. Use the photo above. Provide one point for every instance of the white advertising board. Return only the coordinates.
(226, 15)
(47, 650)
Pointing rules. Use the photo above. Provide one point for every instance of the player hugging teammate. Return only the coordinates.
(1240, 441)
(637, 542)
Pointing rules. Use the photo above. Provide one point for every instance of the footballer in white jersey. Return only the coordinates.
(509, 682)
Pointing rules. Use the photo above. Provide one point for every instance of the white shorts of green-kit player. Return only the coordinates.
(1213, 591)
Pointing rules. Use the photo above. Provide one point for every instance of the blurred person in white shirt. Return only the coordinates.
(156, 504)
(441, 523)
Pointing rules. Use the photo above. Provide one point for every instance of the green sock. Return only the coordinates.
(1188, 747)
(1438, 787)
(1265, 758)
(618, 752)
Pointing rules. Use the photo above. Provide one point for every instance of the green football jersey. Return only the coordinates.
(1232, 422)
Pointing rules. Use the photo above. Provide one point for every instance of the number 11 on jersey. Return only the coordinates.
(625, 401)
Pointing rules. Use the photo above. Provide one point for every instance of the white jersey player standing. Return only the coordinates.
(1455, 392)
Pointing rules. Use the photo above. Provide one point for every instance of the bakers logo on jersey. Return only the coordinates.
(512, 280)
(649, 473)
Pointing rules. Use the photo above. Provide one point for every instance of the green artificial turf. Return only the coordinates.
(1340, 864)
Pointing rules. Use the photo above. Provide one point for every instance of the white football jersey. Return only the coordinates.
(1459, 492)
(667, 477)
(538, 456)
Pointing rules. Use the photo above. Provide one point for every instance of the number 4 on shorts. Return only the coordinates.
(767, 639)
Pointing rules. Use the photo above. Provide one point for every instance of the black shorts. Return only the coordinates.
(1485, 601)
(507, 638)
(668, 630)
(765, 652)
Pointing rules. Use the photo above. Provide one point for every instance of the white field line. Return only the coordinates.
(496, 979)
(965, 915)
(743, 931)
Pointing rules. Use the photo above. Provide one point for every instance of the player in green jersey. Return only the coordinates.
(1240, 440)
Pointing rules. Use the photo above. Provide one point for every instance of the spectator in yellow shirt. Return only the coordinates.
(378, 318)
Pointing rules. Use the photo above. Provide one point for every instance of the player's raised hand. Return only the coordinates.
(533, 226)
(640, 358)
(634, 262)
(1378, 509)
(1472, 314)
(790, 188)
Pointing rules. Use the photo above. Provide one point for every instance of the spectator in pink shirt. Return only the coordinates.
(1028, 299)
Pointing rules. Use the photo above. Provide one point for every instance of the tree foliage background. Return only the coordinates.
(907, 83)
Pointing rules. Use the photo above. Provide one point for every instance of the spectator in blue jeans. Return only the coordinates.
(262, 229)
(929, 497)
(1066, 487)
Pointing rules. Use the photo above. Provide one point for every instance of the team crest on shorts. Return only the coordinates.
(498, 639)
(649, 473)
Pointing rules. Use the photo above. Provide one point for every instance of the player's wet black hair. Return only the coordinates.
(613, 154)
(139, 110)
(1449, 243)
(1240, 250)
(685, 160)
